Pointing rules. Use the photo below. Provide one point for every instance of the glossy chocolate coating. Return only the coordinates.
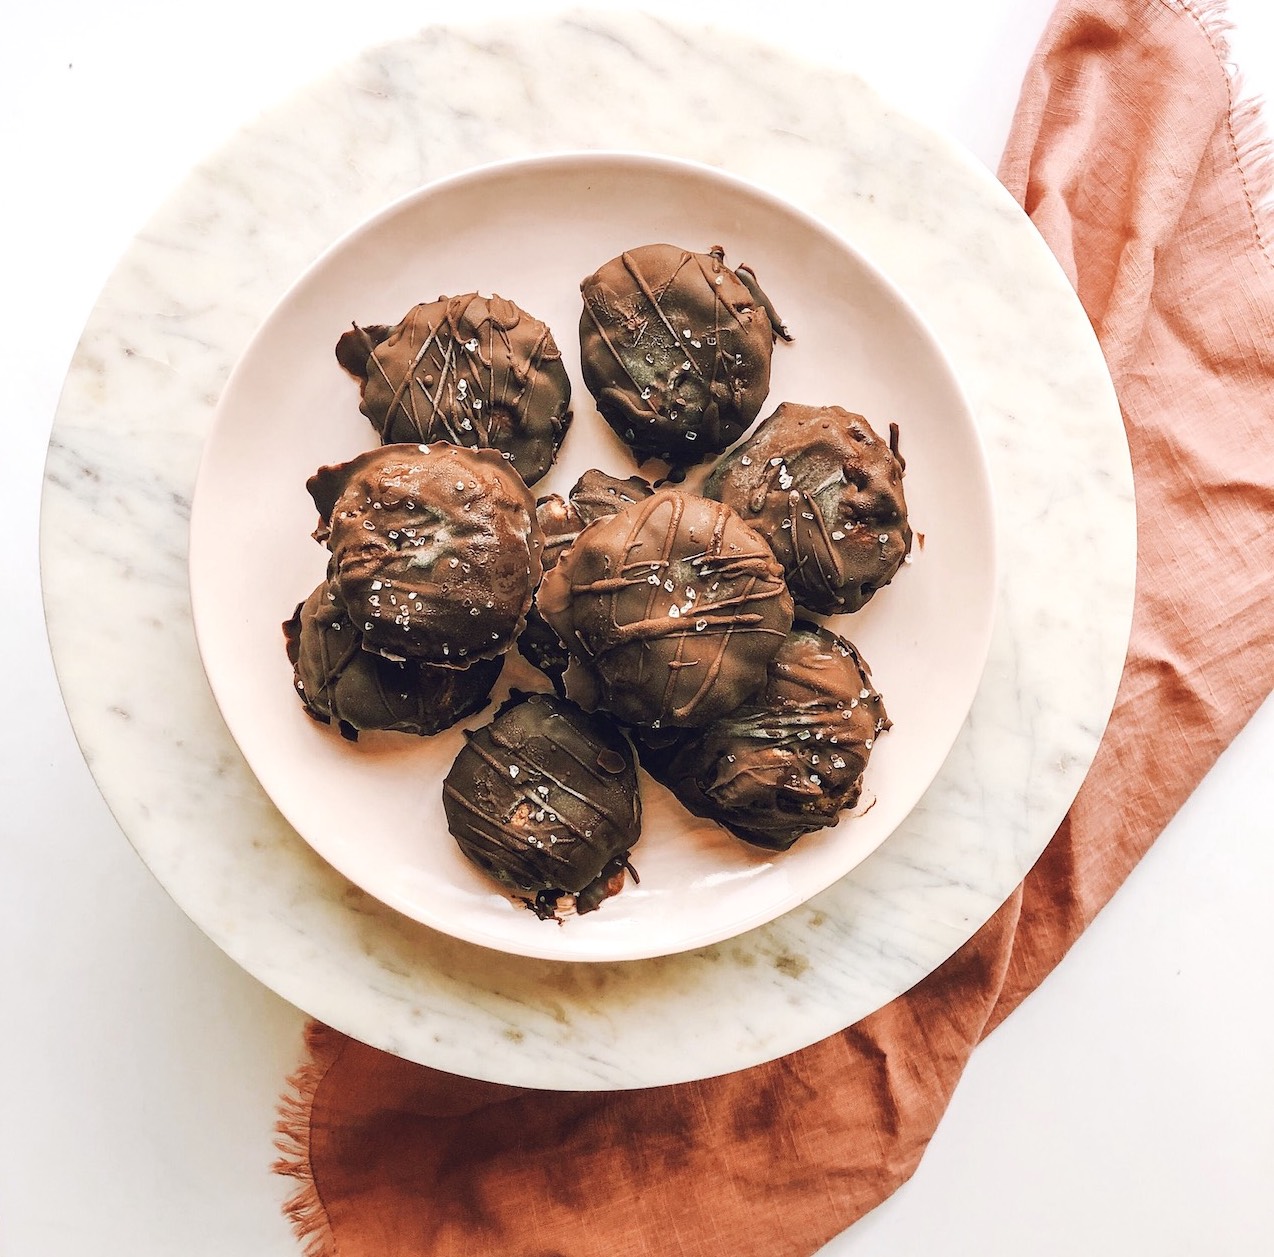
(826, 492)
(339, 682)
(675, 348)
(672, 605)
(470, 370)
(791, 759)
(595, 494)
(544, 800)
(435, 550)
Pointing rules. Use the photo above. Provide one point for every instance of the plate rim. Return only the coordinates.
(541, 945)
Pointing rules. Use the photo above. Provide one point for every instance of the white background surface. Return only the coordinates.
(1127, 1108)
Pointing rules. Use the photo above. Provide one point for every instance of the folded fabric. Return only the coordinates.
(1131, 156)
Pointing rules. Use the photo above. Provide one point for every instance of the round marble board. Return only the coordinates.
(197, 283)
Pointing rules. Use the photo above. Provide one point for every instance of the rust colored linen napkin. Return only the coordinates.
(1131, 155)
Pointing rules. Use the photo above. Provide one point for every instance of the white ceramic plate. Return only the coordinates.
(530, 230)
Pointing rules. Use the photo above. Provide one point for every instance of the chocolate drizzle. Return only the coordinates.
(470, 370)
(675, 349)
(435, 550)
(673, 605)
(791, 759)
(544, 800)
(340, 682)
(827, 493)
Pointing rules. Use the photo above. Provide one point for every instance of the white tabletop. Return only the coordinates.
(1125, 1108)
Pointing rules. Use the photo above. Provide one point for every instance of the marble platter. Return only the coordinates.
(183, 304)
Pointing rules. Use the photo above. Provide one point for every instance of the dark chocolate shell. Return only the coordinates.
(470, 370)
(675, 348)
(544, 800)
(674, 607)
(561, 519)
(792, 759)
(357, 690)
(435, 550)
(826, 492)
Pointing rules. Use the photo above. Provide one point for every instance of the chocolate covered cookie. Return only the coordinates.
(675, 348)
(672, 606)
(358, 690)
(470, 370)
(789, 760)
(544, 800)
(435, 550)
(827, 493)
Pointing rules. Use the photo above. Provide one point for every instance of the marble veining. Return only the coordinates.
(190, 292)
